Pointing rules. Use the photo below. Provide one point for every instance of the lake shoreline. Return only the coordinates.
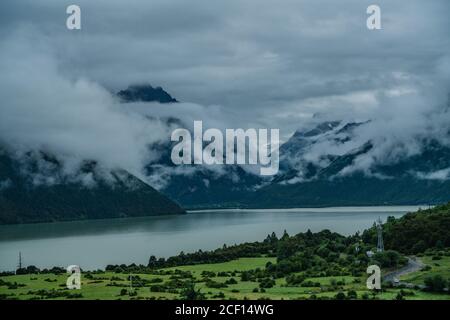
(96, 243)
(412, 207)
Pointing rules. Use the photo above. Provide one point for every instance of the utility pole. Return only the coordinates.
(380, 244)
(19, 265)
(131, 282)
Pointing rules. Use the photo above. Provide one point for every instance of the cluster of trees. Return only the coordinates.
(318, 254)
(436, 283)
(389, 259)
(415, 232)
(36, 270)
(53, 294)
(224, 254)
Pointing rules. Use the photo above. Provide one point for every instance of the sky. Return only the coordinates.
(235, 63)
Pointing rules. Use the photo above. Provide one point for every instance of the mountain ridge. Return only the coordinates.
(145, 93)
(122, 195)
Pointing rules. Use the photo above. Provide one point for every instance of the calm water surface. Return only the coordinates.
(96, 243)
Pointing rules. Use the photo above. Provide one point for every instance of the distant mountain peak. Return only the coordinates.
(145, 93)
(318, 130)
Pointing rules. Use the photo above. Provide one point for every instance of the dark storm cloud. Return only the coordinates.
(245, 63)
(252, 54)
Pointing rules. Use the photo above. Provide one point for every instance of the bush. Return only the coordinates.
(351, 294)
(157, 288)
(399, 296)
(190, 293)
(388, 259)
(294, 280)
(231, 281)
(310, 284)
(214, 284)
(436, 258)
(267, 283)
(435, 283)
(340, 296)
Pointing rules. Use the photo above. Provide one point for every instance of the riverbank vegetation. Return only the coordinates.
(322, 265)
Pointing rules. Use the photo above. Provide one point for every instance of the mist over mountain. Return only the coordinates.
(421, 178)
(362, 121)
(194, 186)
(343, 176)
(35, 190)
(333, 162)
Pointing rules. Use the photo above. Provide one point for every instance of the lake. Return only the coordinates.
(94, 244)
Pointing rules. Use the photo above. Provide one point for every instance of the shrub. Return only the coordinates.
(435, 283)
(231, 281)
(351, 294)
(340, 296)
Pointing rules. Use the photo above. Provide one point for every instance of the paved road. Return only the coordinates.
(414, 264)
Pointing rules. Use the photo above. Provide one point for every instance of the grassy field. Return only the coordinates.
(109, 285)
(441, 267)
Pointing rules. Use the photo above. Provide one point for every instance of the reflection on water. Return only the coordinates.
(96, 243)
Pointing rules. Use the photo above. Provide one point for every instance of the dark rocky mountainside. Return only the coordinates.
(145, 93)
(410, 180)
(302, 182)
(121, 195)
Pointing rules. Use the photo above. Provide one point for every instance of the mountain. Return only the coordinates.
(206, 189)
(145, 93)
(195, 186)
(416, 179)
(191, 186)
(302, 181)
(27, 197)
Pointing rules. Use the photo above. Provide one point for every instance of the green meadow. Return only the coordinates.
(117, 286)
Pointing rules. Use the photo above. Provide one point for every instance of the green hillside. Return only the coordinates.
(416, 232)
(123, 195)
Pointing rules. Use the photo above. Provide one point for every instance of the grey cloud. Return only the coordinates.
(74, 119)
(253, 63)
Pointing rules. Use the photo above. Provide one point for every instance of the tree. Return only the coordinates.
(351, 294)
(439, 244)
(152, 262)
(420, 246)
(435, 283)
(340, 296)
(399, 296)
(189, 292)
(388, 259)
(285, 235)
